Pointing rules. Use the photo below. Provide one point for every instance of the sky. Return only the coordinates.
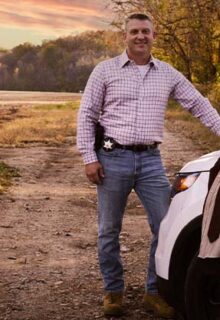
(36, 20)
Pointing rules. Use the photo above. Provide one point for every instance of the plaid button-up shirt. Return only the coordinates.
(131, 107)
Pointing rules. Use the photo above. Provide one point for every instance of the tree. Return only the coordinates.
(63, 64)
(188, 32)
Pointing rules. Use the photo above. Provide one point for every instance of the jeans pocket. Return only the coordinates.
(154, 152)
(113, 153)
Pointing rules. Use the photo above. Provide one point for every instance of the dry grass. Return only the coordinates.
(181, 121)
(49, 124)
(6, 175)
(37, 124)
(40, 124)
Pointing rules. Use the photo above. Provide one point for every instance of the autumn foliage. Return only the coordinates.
(188, 37)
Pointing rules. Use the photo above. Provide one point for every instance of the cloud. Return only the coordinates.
(55, 16)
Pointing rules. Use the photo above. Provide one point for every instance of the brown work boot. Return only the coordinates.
(113, 303)
(155, 303)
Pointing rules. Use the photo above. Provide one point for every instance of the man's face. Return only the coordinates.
(139, 36)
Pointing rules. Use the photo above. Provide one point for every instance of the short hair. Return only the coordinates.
(137, 16)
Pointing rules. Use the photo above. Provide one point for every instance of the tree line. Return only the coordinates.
(188, 37)
(63, 64)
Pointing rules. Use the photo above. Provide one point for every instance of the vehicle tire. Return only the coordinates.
(202, 289)
(186, 247)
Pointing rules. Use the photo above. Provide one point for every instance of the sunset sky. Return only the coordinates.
(35, 20)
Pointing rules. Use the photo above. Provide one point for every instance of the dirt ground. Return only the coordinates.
(48, 233)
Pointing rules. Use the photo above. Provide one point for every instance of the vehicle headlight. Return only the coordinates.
(183, 182)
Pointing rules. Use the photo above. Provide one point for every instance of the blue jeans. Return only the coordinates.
(126, 170)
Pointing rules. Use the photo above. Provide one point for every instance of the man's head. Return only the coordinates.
(139, 34)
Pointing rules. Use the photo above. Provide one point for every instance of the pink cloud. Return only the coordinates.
(57, 16)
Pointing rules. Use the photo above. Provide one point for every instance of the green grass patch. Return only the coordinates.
(6, 175)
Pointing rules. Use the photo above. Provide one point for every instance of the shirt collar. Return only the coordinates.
(124, 59)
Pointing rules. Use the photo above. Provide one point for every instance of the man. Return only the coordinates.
(128, 95)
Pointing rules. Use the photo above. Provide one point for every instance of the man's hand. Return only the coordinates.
(94, 172)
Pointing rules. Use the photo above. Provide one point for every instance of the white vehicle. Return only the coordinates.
(179, 243)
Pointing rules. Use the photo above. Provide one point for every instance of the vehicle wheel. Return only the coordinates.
(185, 249)
(202, 290)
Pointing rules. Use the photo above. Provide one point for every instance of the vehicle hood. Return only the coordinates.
(204, 163)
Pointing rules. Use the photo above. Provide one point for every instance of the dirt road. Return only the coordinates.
(48, 265)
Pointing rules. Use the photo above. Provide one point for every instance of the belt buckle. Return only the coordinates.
(108, 144)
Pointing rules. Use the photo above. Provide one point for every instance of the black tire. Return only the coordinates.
(185, 249)
(202, 289)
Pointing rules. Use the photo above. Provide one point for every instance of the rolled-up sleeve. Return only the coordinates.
(89, 112)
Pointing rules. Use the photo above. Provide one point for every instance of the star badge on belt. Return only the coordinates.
(108, 144)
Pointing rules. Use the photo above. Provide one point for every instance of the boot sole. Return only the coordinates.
(116, 313)
(149, 308)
